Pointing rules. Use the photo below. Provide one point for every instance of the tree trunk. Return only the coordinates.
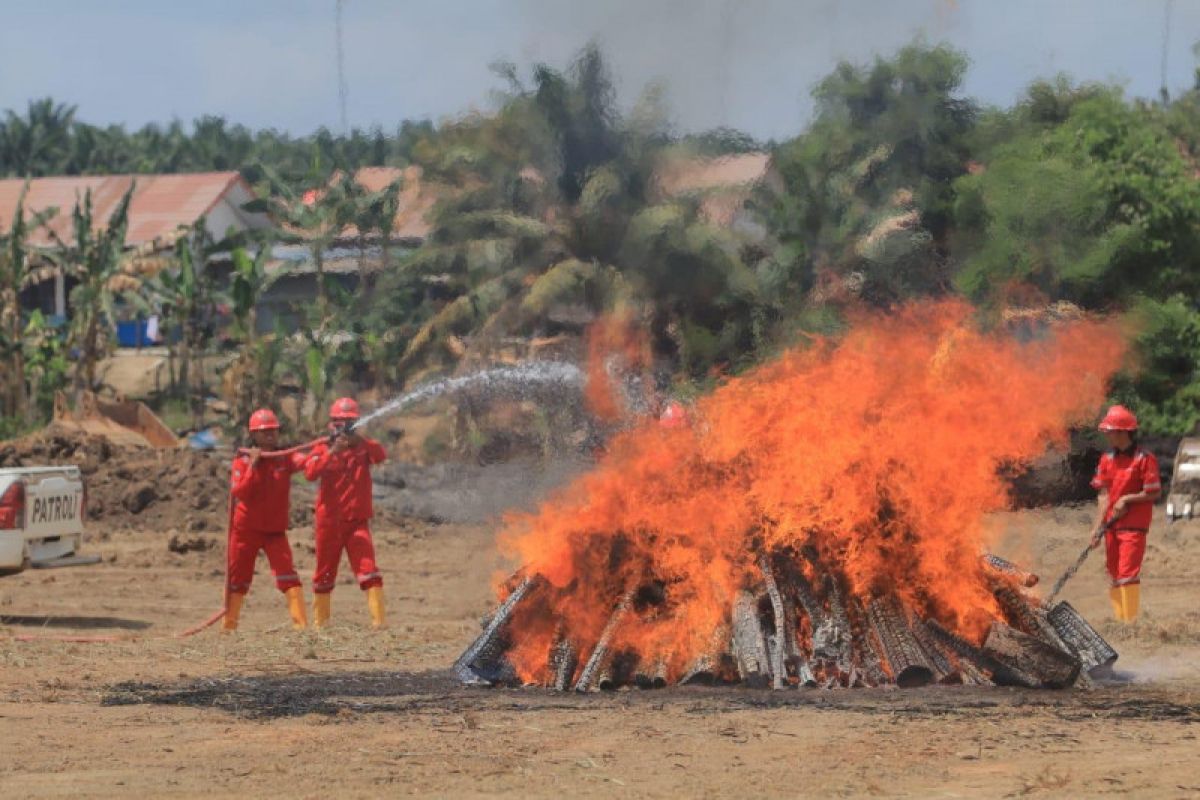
(15, 401)
(201, 390)
(85, 373)
(322, 300)
(185, 364)
(19, 404)
(173, 386)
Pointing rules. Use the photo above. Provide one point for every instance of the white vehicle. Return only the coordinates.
(41, 518)
(1183, 502)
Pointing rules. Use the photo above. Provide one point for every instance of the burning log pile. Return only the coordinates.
(817, 522)
(783, 633)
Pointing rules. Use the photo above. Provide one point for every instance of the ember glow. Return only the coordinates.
(864, 467)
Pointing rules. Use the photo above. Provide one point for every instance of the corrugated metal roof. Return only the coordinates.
(722, 184)
(161, 203)
(416, 201)
(682, 176)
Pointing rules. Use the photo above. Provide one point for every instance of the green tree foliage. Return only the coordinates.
(868, 189)
(1090, 198)
(188, 295)
(552, 213)
(555, 221)
(17, 269)
(47, 139)
(1164, 390)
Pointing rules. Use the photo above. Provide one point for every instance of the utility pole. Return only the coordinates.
(1163, 94)
(341, 65)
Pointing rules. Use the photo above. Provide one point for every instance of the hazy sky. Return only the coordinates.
(749, 64)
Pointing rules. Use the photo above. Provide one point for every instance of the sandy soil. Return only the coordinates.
(360, 714)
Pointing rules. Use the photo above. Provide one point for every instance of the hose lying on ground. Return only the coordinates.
(192, 631)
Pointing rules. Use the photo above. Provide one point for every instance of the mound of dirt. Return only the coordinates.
(180, 489)
(128, 486)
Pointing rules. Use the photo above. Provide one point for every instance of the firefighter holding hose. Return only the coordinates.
(1128, 481)
(344, 510)
(260, 494)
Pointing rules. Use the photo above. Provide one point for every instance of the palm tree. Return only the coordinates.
(40, 142)
(16, 270)
(554, 224)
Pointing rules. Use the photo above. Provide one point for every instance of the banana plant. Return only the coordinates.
(46, 364)
(247, 284)
(17, 269)
(94, 257)
(188, 297)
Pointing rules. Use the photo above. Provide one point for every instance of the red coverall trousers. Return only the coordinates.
(354, 537)
(243, 550)
(1124, 550)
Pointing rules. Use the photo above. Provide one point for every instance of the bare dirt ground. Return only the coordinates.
(272, 712)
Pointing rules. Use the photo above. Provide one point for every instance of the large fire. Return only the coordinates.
(870, 462)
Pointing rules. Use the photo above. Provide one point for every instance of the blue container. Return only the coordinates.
(132, 334)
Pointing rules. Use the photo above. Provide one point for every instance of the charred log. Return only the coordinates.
(1027, 616)
(1095, 654)
(655, 677)
(749, 642)
(1003, 566)
(1049, 666)
(785, 650)
(944, 670)
(600, 654)
(563, 661)
(906, 660)
(710, 665)
(834, 640)
(481, 663)
(973, 659)
(866, 655)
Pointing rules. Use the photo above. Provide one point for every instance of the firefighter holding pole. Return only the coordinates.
(344, 511)
(1128, 480)
(260, 494)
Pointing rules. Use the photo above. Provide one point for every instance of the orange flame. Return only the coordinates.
(613, 345)
(878, 453)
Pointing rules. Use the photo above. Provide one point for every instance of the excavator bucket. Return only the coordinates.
(1183, 502)
(123, 422)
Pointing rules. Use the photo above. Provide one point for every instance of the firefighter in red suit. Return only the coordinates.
(260, 490)
(344, 512)
(1128, 480)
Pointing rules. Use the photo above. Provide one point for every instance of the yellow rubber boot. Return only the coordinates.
(321, 610)
(233, 611)
(1118, 607)
(295, 603)
(375, 604)
(1130, 599)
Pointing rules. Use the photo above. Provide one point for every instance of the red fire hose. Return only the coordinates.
(208, 623)
(288, 451)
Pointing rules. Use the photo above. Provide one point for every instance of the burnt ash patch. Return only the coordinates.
(349, 694)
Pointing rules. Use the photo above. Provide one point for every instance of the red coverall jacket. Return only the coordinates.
(262, 496)
(261, 501)
(1122, 474)
(345, 491)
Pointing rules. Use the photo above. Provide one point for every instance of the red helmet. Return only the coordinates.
(264, 420)
(343, 408)
(1119, 418)
(673, 416)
